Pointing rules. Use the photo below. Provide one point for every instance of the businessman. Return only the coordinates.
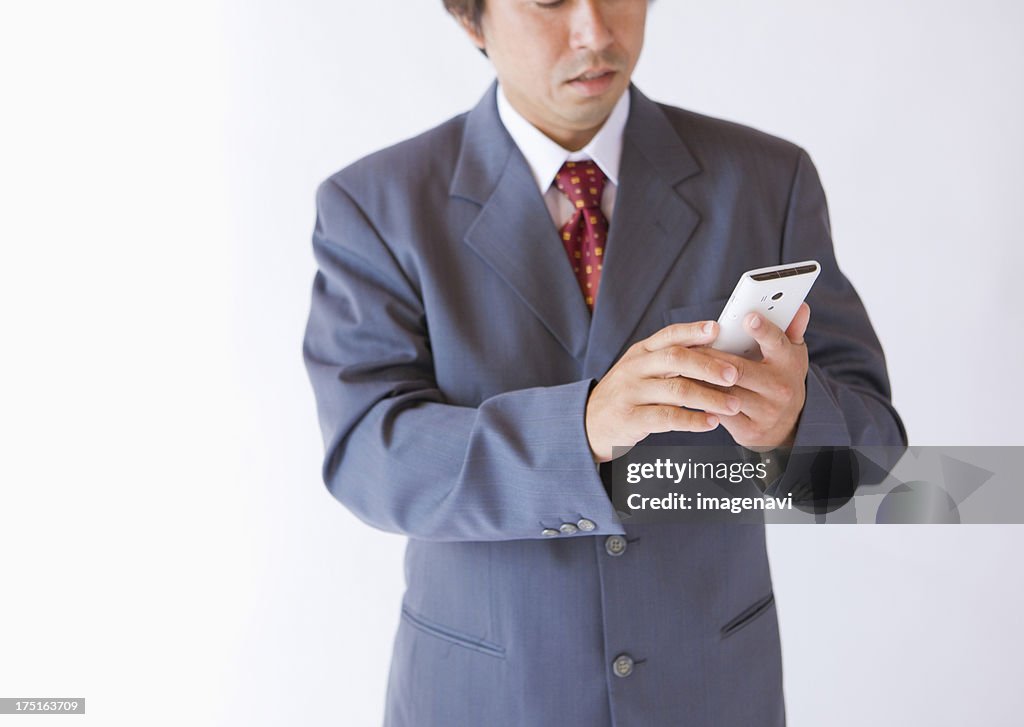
(502, 300)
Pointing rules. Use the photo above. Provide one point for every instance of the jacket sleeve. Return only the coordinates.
(397, 454)
(848, 402)
(848, 395)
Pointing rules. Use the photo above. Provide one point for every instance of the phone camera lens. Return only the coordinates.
(776, 296)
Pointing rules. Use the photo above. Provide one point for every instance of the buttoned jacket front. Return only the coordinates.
(451, 355)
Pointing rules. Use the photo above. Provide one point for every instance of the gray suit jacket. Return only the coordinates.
(451, 355)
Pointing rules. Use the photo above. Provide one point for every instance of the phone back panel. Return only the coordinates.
(777, 299)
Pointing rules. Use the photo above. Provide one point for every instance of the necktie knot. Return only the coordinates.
(582, 182)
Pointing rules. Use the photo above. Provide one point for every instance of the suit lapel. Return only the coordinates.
(651, 223)
(514, 234)
(513, 231)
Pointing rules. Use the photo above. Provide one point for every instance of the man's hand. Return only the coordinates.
(771, 391)
(643, 392)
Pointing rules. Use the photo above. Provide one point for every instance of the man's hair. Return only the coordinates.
(470, 10)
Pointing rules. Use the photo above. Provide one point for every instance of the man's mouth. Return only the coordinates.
(593, 83)
(591, 75)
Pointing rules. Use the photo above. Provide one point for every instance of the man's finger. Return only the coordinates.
(681, 334)
(656, 418)
(797, 329)
(681, 391)
(694, 363)
(753, 376)
(769, 336)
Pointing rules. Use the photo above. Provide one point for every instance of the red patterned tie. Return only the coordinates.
(586, 232)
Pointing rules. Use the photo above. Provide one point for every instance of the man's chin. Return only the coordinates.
(591, 110)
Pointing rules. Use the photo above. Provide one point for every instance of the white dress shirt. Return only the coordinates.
(545, 157)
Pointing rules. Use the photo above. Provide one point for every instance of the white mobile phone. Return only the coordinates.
(775, 292)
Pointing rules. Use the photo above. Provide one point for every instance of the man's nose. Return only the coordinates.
(589, 29)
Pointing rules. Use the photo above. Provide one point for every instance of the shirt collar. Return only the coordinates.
(545, 157)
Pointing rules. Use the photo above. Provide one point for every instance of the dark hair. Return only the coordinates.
(470, 10)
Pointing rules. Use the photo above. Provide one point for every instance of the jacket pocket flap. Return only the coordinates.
(748, 615)
(451, 635)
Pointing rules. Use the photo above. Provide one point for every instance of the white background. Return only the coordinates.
(167, 549)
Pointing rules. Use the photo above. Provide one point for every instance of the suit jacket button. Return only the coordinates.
(548, 532)
(585, 524)
(567, 528)
(615, 545)
(623, 665)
